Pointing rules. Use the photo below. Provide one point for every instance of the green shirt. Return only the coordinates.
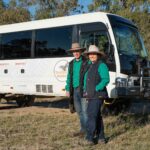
(76, 74)
(104, 74)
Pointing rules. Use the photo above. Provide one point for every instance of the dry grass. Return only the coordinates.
(51, 129)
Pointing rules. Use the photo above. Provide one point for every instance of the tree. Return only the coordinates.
(14, 16)
(2, 7)
(12, 13)
(51, 8)
(99, 5)
(116, 5)
(55, 8)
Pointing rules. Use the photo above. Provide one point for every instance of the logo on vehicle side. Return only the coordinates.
(60, 70)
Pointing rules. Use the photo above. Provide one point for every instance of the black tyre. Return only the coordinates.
(115, 106)
(25, 101)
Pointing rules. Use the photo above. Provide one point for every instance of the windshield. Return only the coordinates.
(129, 41)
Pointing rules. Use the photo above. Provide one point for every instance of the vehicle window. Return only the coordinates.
(128, 41)
(15, 45)
(96, 34)
(129, 47)
(53, 42)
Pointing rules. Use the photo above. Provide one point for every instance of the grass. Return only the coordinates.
(53, 131)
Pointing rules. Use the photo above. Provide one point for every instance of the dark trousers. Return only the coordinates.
(95, 125)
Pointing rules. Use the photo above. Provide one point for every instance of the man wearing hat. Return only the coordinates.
(72, 86)
(95, 81)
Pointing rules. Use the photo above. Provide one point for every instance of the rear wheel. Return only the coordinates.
(1, 97)
(25, 101)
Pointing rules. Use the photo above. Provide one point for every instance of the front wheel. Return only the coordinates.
(25, 101)
(115, 106)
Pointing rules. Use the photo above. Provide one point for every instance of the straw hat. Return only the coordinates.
(76, 47)
(94, 50)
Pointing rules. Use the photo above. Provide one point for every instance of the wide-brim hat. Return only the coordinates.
(94, 50)
(76, 47)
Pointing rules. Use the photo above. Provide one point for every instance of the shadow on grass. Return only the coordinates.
(47, 103)
(62, 103)
(8, 107)
(127, 122)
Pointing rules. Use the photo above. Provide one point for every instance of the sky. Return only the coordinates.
(6, 1)
(85, 3)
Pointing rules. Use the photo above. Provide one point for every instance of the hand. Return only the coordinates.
(67, 94)
(72, 109)
(84, 94)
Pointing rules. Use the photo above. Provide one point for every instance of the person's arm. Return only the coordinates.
(85, 75)
(104, 74)
(67, 87)
(84, 82)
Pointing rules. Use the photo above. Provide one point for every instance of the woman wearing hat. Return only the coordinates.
(95, 82)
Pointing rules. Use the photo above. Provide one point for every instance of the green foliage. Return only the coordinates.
(117, 5)
(55, 8)
(51, 8)
(2, 7)
(26, 3)
(97, 5)
(12, 13)
(14, 16)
